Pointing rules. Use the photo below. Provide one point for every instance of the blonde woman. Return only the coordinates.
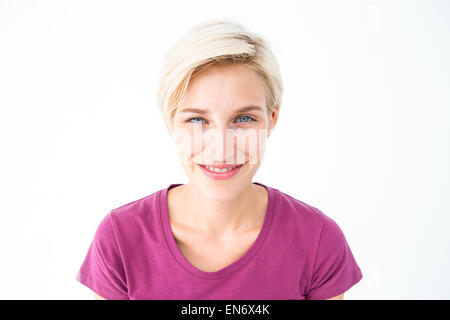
(220, 236)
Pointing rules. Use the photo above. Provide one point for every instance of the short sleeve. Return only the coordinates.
(102, 270)
(335, 269)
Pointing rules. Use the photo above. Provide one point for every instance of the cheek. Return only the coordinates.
(183, 145)
(183, 137)
(252, 144)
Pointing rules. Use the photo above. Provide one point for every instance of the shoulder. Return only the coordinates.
(137, 207)
(297, 211)
(318, 241)
(137, 215)
(308, 223)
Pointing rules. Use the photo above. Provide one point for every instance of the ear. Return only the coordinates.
(272, 120)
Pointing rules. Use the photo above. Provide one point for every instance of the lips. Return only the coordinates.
(221, 168)
(220, 172)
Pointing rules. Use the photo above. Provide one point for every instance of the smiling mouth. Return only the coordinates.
(220, 168)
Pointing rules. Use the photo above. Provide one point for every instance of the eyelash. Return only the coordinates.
(247, 116)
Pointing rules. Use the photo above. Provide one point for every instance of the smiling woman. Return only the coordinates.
(220, 236)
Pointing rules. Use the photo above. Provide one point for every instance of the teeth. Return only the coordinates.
(219, 170)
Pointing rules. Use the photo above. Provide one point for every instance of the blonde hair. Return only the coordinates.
(216, 42)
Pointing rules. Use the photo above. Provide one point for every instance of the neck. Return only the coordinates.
(243, 213)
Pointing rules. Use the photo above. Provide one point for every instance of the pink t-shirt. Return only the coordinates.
(300, 253)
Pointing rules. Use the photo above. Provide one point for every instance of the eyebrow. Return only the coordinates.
(203, 111)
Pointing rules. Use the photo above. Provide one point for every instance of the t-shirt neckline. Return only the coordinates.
(243, 260)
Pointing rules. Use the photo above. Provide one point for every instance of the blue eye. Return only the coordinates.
(190, 120)
(250, 118)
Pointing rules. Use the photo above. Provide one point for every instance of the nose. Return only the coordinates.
(222, 145)
(219, 146)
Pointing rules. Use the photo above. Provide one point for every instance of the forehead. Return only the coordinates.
(224, 86)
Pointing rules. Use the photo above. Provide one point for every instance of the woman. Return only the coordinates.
(220, 236)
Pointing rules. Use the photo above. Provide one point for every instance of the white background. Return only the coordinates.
(363, 132)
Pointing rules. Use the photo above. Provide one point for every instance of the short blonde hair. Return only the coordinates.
(216, 42)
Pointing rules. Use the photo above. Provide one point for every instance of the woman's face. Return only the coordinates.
(211, 128)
